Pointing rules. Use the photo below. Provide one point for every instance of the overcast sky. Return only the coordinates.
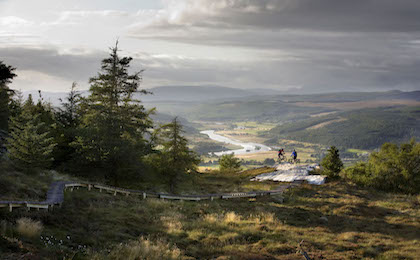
(305, 45)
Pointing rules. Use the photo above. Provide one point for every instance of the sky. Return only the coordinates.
(302, 46)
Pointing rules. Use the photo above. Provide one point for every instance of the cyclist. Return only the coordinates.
(281, 154)
(294, 155)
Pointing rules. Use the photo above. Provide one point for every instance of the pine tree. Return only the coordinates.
(69, 115)
(29, 146)
(68, 119)
(114, 123)
(6, 76)
(229, 162)
(176, 158)
(331, 163)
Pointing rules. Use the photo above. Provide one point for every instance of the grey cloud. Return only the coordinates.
(318, 15)
(318, 44)
(312, 71)
(50, 61)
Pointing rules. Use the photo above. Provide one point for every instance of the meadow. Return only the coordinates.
(335, 221)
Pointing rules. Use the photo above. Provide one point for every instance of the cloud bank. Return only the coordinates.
(314, 45)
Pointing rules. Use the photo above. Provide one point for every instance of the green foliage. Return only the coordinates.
(269, 161)
(204, 148)
(229, 162)
(6, 76)
(331, 163)
(68, 120)
(175, 158)
(358, 174)
(393, 168)
(29, 145)
(114, 125)
(363, 129)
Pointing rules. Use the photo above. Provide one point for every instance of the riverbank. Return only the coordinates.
(247, 147)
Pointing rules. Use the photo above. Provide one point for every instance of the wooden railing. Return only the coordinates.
(55, 195)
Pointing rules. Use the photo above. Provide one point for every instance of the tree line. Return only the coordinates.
(108, 134)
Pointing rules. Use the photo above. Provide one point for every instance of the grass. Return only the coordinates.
(357, 151)
(336, 221)
(142, 248)
(28, 228)
(18, 186)
(219, 182)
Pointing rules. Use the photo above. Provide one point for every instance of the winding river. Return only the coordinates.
(246, 147)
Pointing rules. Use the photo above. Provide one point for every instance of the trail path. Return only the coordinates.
(287, 172)
(55, 194)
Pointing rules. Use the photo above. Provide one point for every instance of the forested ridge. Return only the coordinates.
(363, 129)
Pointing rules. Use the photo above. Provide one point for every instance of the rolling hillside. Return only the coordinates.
(364, 129)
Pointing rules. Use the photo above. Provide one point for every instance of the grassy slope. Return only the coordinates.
(336, 221)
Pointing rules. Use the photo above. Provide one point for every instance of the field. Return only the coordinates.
(360, 104)
(335, 221)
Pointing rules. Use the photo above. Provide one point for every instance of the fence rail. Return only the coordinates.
(55, 194)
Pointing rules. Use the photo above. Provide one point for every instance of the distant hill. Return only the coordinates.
(187, 94)
(364, 129)
(281, 108)
(201, 93)
(188, 127)
(216, 103)
(349, 96)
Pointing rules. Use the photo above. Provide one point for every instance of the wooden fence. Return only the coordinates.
(55, 195)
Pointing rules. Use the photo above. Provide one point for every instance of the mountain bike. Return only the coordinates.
(296, 161)
(282, 158)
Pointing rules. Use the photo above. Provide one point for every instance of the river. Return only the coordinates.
(246, 147)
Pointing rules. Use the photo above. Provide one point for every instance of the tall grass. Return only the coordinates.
(232, 217)
(28, 228)
(143, 248)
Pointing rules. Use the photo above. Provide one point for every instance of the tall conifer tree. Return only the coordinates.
(68, 119)
(175, 158)
(6, 76)
(114, 123)
(30, 145)
(331, 163)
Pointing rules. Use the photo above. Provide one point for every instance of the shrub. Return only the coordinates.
(331, 163)
(269, 161)
(29, 228)
(358, 174)
(229, 162)
(232, 217)
(393, 168)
